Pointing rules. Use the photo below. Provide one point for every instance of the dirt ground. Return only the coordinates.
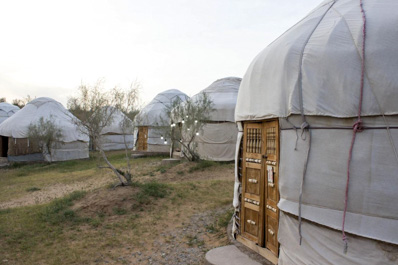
(173, 232)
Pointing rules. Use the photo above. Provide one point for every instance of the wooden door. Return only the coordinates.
(253, 184)
(260, 214)
(142, 141)
(271, 168)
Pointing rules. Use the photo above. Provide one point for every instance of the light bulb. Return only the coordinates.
(196, 121)
(161, 137)
(197, 133)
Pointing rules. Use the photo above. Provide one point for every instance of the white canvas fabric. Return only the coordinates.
(331, 66)
(113, 136)
(321, 57)
(322, 246)
(217, 141)
(223, 93)
(154, 113)
(7, 110)
(17, 127)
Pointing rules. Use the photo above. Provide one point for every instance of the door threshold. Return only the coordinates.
(261, 251)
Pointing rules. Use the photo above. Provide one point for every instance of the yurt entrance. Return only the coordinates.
(260, 164)
(3, 146)
(142, 140)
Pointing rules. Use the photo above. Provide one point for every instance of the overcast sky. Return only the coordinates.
(49, 47)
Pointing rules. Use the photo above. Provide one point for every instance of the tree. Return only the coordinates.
(22, 102)
(187, 121)
(2, 100)
(45, 133)
(95, 109)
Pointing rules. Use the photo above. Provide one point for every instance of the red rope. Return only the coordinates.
(357, 127)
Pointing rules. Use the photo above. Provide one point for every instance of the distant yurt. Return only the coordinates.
(7, 110)
(74, 144)
(152, 118)
(217, 140)
(113, 137)
(317, 165)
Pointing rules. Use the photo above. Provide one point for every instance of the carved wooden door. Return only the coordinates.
(142, 141)
(260, 195)
(271, 168)
(253, 184)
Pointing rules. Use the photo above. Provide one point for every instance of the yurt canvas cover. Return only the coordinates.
(311, 75)
(7, 110)
(153, 116)
(113, 137)
(217, 140)
(74, 144)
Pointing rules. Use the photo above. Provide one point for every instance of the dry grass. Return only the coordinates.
(104, 223)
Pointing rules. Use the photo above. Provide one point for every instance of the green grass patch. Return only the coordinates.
(32, 189)
(202, 165)
(58, 211)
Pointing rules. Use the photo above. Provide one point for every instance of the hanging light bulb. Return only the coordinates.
(197, 133)
(189, 129)
(196, 121)
(165, 141)
(186, 116)
(182, 121)
(161, 137)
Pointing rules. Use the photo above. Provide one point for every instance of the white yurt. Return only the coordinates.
(113, 137)
(152, 118)
(7, 110)
(317, 164)
(74, 144)
(217, 139)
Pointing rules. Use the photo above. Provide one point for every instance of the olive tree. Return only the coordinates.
(187, 121)
(95, 109)
(45, 133)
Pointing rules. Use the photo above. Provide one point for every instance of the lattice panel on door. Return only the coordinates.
(253, 140)
(271, 140)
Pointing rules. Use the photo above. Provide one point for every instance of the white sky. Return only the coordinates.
(48, 47)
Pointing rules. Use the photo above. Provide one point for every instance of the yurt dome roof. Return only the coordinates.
(115, 126)
(7, 110)
(320, 59)
(154, 113)
(223, 93)
(17, 125)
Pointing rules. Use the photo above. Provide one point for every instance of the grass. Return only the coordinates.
(202, 165)
(32, 189)
(17, 180)
(60, 233)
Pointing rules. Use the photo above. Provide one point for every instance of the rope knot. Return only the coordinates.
(304, 125)
(358, 127)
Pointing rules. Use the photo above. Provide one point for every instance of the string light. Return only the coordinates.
(182, 121)
(196, 121)
(189, 129)
(197, 133)
(161, 137)
(165, 141)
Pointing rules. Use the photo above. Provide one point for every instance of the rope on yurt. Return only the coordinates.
(357, 127)
(305, 127)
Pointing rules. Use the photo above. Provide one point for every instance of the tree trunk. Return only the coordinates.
(112, 167)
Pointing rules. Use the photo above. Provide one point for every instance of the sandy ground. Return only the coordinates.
(49, 193)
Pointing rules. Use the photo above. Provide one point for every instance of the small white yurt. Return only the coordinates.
(317, 164)
(152, 118)
(217, 139)
(7, 110)
(113, 137)
(74, 144)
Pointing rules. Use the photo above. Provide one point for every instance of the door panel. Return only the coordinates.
(142, 138)
(252, 184)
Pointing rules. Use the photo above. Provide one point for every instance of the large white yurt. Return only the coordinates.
(7, 110)
(217, 139)
(317, 165)
(113, 137)
(74, 144)
(152, 118)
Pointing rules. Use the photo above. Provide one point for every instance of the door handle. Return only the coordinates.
(264, 156)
